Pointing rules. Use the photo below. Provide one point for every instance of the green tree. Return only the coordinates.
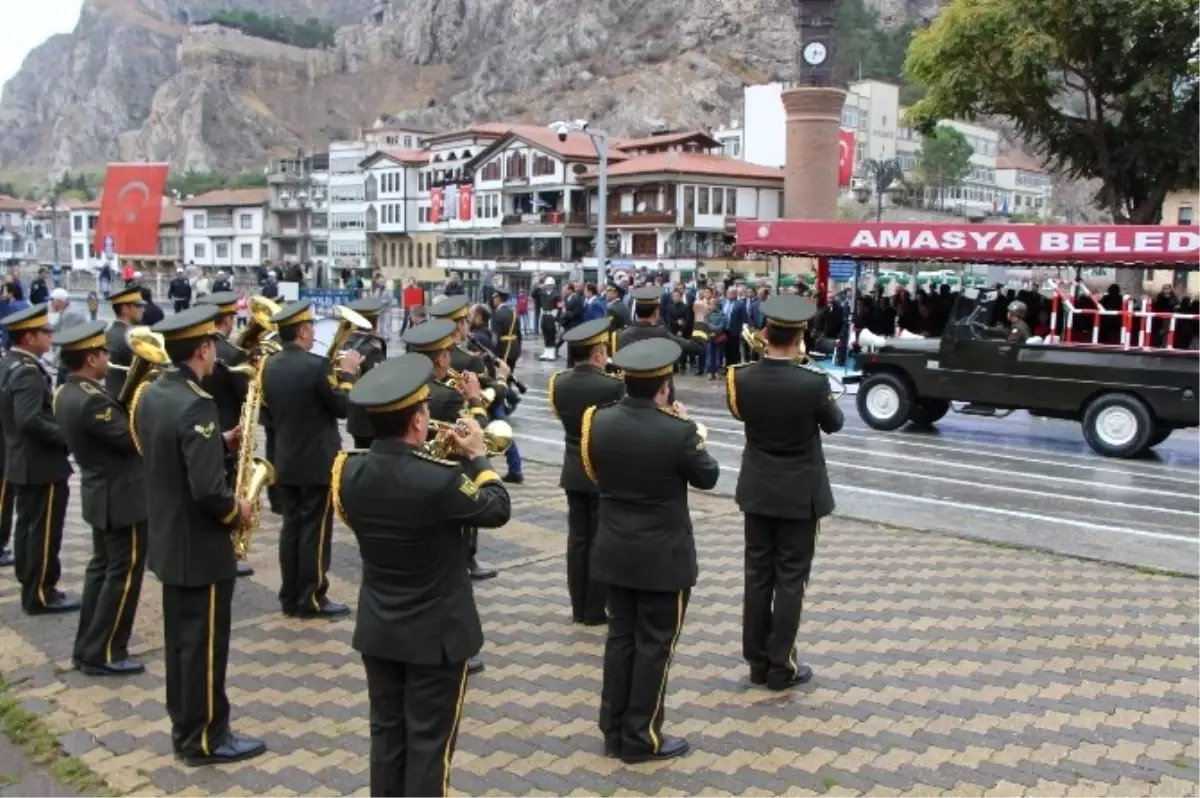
(866, 49)
(945, 159)
(311, 33)
(1104, 89)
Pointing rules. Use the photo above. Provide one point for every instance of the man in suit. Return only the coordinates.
(113, 499)
(127, 305)
(783, 488)
(645, 308)
(417, 624)
(373, 349)
(35, 460)
(570, 394)
(228, 387)
(193, 515)
(307, 396)
(643, 454)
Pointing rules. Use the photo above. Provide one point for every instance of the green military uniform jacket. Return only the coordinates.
(570, 394)
(374, 352)
(408, 511)
(506, 327)
(35, 451)
(119, 354)
(643, 459)
(785, 408)
(111, 479)
(306, 400)
(228, 388)
(191, 508)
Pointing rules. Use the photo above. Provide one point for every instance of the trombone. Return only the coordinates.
(758, 344)
(497, 437)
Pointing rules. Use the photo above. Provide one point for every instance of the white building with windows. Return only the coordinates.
(17, 230)
(84, 218)
(348, 247)
(1024, 185)
(398, 246)
(225, 229)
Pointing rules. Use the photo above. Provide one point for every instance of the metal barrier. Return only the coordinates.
(1130, 311)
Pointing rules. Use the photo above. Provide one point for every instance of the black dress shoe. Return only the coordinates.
(56, 604)
(671, 747)
(330, 609)
(592, 621)
(122, 667)
(234, 749)
(758, 676)
(786, 682)
(6, 558)
(474, 665)
(612, 748)
(244, 570)
(480, 573)
(513, 479)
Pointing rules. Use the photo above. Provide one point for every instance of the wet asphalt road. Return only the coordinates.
(1018, 480)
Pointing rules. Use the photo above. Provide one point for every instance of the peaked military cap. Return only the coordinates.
(82, 337)
(368, 306)
(294, 313)
(652, 357)
(788, 311)
(130, 295)
(502, 290)
(224, 301)
(195, 322)
(394, 385)
(432, 336)
(589, 333)
(451, 307)
(647, 295)
(35, 317)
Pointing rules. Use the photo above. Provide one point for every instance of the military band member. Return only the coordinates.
(113, 495)
(643, 454)
(7, 499)
(506, 327)
(307, 396)
(35, 461)
(374, 351)
(417, 624)
(228, 388)
(646, 302)
(570, 393)
(127, 305)
(783, 488)
(192, 516)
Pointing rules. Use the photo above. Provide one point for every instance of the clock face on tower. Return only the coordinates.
(814, 53)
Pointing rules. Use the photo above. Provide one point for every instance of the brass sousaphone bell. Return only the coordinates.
(149, 360)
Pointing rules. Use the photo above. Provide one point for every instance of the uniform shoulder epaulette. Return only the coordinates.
(203, 394)
(668, 412)
(430, 458)
(613, 375)
(88, 388)
(740, 365)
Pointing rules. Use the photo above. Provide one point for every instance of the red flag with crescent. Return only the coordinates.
(131, 208)
(465, 196)
(845, 156)
(437, 200)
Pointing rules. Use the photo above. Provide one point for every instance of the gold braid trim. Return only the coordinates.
(550, 394)
(585, 440)
(133, 406)
(335, 487)
(731, 392)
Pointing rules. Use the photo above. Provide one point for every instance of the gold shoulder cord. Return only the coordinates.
(133, 406)
(731, 393)
(550, 393)
(335, 486)
(585, 440)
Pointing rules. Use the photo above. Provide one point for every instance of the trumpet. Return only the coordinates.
(489, 394)
(497, 437)
(758, 344)
(674, 410)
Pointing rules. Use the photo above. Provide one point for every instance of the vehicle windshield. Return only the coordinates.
(973, 305)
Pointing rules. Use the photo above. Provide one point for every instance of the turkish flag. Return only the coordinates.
(436, 201)
(131, 208)
(465, 195)
(845, 156)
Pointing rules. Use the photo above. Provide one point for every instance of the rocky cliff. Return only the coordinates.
(140, 82)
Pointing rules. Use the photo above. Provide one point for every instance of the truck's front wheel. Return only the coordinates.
(1118, 425)
(884, 401)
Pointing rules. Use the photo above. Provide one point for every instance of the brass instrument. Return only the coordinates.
(350, 321)
(149, 360)
(255, 335)
(673, 410)
(489, 394)
(758, 344)
(253, 473)
(497, 437)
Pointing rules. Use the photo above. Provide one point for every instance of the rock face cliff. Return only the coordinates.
(142, 83)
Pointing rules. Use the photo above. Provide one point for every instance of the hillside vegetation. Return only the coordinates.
(310, 34)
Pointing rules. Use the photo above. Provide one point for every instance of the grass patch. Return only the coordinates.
(1181, 763)
(32, 736)
(829, 783)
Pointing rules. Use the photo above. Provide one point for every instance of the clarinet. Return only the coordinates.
(490, 358)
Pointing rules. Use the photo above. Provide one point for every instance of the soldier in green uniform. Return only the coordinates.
(127, 306)
(783, 488)
(35, 460)
(417, 624)
(307, 396)
(113, 496)
(643, 454)
(7, 499)
(192, 516)
(374, 351)
(228, 388)
(646, 302)
(457, 309)
(570, 394)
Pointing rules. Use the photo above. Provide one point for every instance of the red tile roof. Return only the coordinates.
(12, 204)
(577, 147)
(691, 163)
(402, 156)
(229, 197)
(171, 214)
(664, 139)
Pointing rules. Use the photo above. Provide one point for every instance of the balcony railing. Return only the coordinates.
(666, 217)
(219, 222)
(516, 181)
(548, 219)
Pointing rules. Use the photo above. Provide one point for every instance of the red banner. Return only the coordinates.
(131, 209)
(437, 199)
(975, 243)
(846, 140)
(466, 194)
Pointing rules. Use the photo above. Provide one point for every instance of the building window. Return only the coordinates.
(516, 166)
(408, 142)
(718, 202)
(491, 171)
(92, 223)
(320, 249)
(222, 251)
(199, 221)
(198, 251)
(689, 199)
(346, 221)
(246, 221)
(355, 193)
(429, 254)
(77, 223)
(78, 251)
(247, 252)
(542, 166)
(1186, 215)
(702, 200)
(731, 202)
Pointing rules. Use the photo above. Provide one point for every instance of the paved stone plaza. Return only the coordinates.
(942, 667)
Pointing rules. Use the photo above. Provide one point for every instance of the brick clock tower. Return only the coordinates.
(814, 117)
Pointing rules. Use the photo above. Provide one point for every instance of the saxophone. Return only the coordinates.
(253, 473)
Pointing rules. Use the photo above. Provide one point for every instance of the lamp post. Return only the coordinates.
(600, 142)
(884, 175)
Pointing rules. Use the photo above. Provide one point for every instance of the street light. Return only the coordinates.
(600, 142)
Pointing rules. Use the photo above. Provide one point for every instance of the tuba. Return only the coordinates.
(253, 473)
(149, 360)
(349, 322)
(758, 345)
(255, 336)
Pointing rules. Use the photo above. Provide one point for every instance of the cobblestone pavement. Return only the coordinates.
(943, 666)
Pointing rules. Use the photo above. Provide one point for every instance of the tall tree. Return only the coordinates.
(1104, 89)
(945, 159)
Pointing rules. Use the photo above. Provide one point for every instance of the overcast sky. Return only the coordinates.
(27, 24)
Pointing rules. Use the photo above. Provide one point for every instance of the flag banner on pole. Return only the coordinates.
(131, 208)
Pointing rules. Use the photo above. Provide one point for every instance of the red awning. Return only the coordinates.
(1101, 245)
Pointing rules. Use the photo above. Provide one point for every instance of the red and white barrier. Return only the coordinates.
(1130, 310)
